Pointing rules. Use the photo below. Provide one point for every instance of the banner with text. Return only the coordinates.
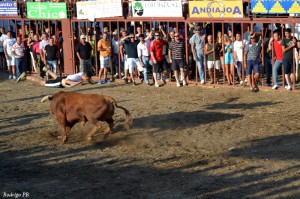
(216, 9)
(275, 6)
(157, 8)
(46, 10)
(98, 9)
(8, 8)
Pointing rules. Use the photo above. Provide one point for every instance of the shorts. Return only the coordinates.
(252, 65)
(104, 61)
(54, 83)
(126, 65)
(288, 66)
(132, 62)
(177, 64)
(11, 60)
(210, 64)
(160, 66)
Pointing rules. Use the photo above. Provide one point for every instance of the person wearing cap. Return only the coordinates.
(83, 52)
(144, 54)
(104, 46)
(132, 55)
(197, 46)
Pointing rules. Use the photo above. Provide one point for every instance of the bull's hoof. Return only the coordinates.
(89, 138)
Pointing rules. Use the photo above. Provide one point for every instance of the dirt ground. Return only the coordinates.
(188, 142)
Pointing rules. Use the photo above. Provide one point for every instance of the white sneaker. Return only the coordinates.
(14, 77)
(116, 75)
(285, 86)
(178, 84)
(275, 87)
(241, 82)
(289, 88)
(183, 82)
(156, 85)
(202, 82)
(10, 77)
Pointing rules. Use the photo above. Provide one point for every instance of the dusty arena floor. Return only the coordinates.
(188, 142)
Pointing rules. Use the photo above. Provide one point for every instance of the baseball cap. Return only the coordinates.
(82, 36)
(197, 28)
(105, 29)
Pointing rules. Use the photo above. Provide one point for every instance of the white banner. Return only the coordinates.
(98, 9)
(157, 8)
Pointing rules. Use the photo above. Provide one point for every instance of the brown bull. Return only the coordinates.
(71, 108)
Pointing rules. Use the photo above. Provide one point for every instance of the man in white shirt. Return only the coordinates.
(143, 49)
(10, 59)
(56, 82)
(238, 47)
(18, 51)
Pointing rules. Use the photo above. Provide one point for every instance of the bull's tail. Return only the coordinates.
(47, 98)
(128, 120)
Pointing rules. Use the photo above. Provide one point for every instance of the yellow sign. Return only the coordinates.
(216, 8)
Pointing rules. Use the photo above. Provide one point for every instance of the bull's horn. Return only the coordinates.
(46, 98)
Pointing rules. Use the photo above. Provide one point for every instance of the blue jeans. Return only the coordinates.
(19, 66)
(52, 65)
(276, 67)
(146, 66)
(200, 65)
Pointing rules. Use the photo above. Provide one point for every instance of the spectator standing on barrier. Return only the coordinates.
(176, 56)
(238, 47)
(143, 49)
(18, 51)
(228, 60)
(275, 42)
(104, 46)
(210, 50)
(51, 56)
(158, 58)
(252, 55)
(3, 37)
(197, 46)
(132, 55)
(83, 52)
(10, 59)
(288, 44)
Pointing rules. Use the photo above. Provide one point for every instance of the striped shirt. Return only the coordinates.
(177, 49)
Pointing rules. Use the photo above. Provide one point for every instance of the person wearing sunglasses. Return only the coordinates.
(158, 58)
(176, 55)
(252, 56)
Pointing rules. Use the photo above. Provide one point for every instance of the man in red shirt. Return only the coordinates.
(276, 42)
(157, 58)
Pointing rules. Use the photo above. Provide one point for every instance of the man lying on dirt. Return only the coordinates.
(56, 82)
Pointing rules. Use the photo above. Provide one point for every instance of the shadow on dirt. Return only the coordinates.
(278, 147)
(19, 121)
(228, 104)
(182, 120)
(45, 172)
